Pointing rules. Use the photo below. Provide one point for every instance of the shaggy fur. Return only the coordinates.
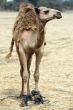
(27, 19)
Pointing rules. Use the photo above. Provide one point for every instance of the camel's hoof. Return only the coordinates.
(37, 97)
(24, 101)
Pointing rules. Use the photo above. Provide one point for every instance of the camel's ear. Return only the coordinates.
(37, 10)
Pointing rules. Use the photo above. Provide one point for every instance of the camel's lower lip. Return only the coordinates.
(58, 17)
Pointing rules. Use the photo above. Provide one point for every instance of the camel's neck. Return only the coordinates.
(43, 23)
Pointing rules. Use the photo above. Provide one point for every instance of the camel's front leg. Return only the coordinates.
(24, 75)
(35, 93)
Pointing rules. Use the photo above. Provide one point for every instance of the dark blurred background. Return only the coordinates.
(57, 4)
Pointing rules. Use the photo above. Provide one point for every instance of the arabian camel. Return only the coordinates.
(28, 35)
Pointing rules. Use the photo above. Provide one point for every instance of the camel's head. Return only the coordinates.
(47, 14)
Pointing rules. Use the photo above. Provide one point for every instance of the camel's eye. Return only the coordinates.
(46, 12)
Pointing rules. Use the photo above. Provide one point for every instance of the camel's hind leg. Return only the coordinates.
(39, 55)
(28, 66)
(28, 83)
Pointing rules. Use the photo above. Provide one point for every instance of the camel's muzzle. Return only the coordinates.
(58, 15)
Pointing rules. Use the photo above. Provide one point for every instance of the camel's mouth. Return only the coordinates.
(58, 15)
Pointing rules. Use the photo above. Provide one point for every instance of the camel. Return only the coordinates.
(29, 35)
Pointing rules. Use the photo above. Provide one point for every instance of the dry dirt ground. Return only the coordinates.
(56, 69)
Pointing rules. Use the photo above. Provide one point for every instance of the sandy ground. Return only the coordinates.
(56, 69)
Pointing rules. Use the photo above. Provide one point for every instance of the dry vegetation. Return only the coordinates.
(56, 70)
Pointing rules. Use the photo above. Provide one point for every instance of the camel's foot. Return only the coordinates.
(24, 101)
(37, 97)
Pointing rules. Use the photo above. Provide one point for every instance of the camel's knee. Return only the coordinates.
(36, 77)
(25, 78)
